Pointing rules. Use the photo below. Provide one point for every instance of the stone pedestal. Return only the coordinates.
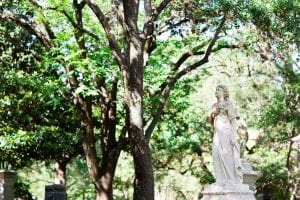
(7, 179)
(249, 176)
(227, 192)
(55, 192)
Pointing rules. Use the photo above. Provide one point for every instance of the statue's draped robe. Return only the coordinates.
(226, 154)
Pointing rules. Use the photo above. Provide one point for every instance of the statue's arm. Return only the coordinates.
(212, 114)
(233, 116)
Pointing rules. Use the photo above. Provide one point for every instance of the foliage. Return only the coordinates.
(78, 184)
(22, 191)
(274, 176)
(36, 120)
(280, 121)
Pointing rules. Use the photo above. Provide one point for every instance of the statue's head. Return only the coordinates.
(224, 90)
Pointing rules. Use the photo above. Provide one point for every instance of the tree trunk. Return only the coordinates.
(133, 86)
(102, 173)
(110, 154)
(101, 177)
(107, 172)
(144, 181)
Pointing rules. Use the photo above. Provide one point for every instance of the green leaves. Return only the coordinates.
(274, 175)
(86, 91)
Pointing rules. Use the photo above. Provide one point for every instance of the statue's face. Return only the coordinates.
(219, 92)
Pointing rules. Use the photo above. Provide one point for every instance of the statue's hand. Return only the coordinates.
(215, 111)
(233, 141)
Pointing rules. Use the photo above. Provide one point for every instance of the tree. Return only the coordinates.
(36, 120)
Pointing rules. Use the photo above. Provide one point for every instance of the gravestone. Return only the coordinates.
(7, 179)
(55, 192)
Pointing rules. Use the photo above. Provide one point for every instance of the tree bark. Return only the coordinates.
(133, 85)
(102, 172)
(144, 181)
(102, 176)
(109, 146)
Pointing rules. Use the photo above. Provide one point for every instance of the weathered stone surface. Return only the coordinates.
(227, 192)
(229, 172)
(249, 176)
(55, 192)
(7, 179)
(225, 149)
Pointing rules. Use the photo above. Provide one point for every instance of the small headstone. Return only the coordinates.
(7, 179)
(55, 192)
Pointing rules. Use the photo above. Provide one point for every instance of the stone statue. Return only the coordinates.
(225, 149)
(226, 153)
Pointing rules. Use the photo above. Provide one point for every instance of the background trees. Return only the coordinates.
(104, 72)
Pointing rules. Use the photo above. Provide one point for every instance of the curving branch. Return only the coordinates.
(160, 8)
(188, 54)
(171, 81)
(147, 8)
(35, 3)
(74, 24)
(151, 16)
(169, 25)
(109, 32)
(38, 29)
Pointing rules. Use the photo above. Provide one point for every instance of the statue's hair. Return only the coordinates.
(225, 90)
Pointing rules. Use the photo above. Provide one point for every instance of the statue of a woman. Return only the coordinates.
(225, 150)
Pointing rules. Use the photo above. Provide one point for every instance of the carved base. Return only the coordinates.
(227, 192)
(249, 176)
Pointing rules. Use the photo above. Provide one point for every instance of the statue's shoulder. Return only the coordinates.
(229, 103)
(229, 106)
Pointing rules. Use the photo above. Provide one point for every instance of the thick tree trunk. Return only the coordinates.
(144, 181)
(107, 174)
(133, 83)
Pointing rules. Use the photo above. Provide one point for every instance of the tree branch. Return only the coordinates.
(45, 23)
(170, 25)
(173, 79)
(159, 9)
(109, 32)
(34, 3)
(74, 24)
(78, 33)
(188, 54)
(148, 9)
(39, 30)
(80, 6)
(131, 15)
(152, 16)
(207, 52)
